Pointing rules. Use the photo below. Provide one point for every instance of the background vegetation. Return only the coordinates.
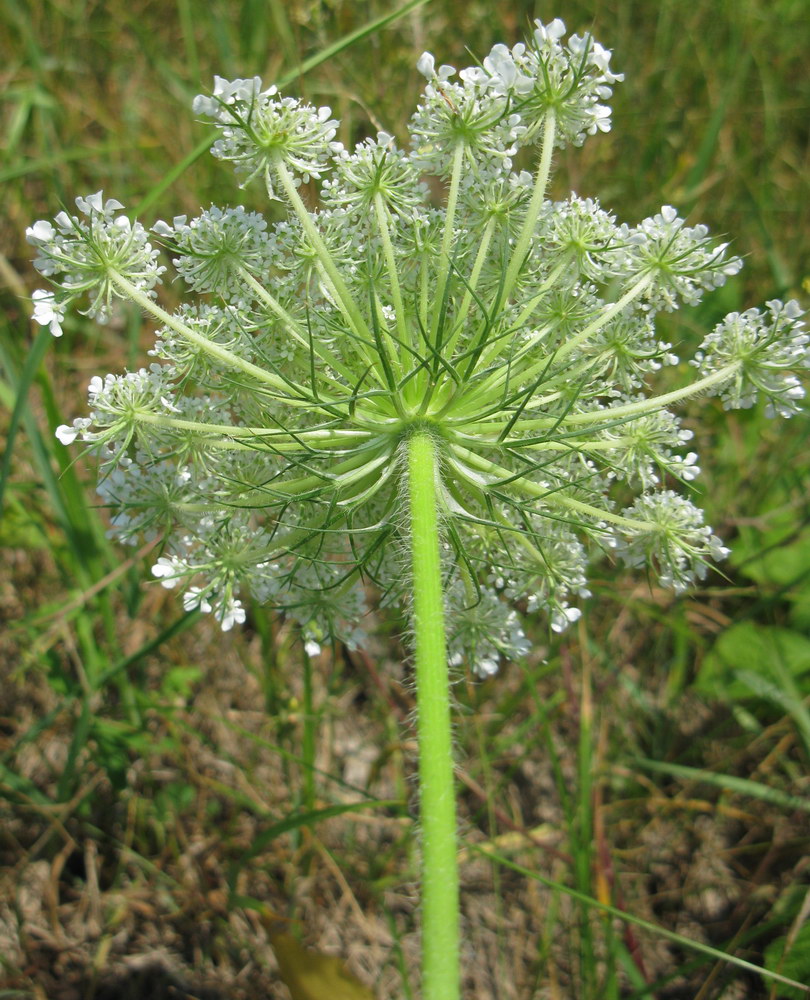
(171, 797)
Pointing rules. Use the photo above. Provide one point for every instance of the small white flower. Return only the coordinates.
(231, 613)
(196, 598)
(169, 570)
(761, 353)
(66, 433)
(426, 65)
(260, 131)
(40, 232)
(83, 255)
(564, 617)
(47, 311)
(552, 31)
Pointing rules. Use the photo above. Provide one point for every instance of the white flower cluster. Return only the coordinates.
(680, 261)
(218, 248)
(484, 631)
(464, 115)
(568, 78)
(376, 169)
(258, 129)
(503, 104)
(646, 444)
(264, 444)
(118, 404)
(80, 255)
(675, 541)
(224, 326)
(761, 353)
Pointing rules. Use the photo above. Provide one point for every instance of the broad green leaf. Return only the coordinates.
(748, 648)
(795, 964)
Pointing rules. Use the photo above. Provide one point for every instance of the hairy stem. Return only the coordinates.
(487, 476)
(604, 317)
(277, 440)
(292, 327)
(381, 215)
(440, 895)
(480, 259)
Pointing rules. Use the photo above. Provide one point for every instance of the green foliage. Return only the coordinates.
(747, 651)
(790, 955)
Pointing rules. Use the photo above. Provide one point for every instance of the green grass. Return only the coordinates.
(177, 784)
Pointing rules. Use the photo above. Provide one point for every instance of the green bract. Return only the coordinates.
(266, 444)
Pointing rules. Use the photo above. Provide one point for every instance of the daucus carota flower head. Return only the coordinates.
(265, 443)
(258, 129)
(82, 252)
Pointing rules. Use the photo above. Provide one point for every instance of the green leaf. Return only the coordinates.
(794, 963)
(781, 565)
(748, 648)
(309, 819)
(328, 52)
(780, 561)
(179, 681)
(684, 942)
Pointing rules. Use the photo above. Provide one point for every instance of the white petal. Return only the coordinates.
(41, 230)
(426, 65)
(66, 433)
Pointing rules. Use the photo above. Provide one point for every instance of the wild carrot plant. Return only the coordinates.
(436, 402)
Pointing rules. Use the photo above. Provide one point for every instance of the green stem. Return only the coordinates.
(308, 741)
(344, 296)
(470, 466)
(293, 328)
(447, 237)
(381, 215)
(638, 408)
(541, 293)
(327, 437)
(212, 349)
(363, 346)
(537, 336)
(605, 317)
(523, 375)
(440, 895)
(480, 260)
(533, 211)
(423, 292)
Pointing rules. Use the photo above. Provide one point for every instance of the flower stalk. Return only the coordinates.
(440, 899)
